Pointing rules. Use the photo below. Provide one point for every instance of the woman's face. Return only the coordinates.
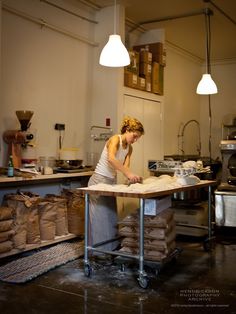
(132, 137)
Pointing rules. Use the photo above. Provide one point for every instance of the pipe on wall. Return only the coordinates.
(68, 11)
(43, 23)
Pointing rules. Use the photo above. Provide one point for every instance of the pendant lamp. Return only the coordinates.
(114, 53)
(207, 86)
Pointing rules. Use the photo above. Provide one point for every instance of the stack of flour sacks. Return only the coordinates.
(6, 232)
(159, 230)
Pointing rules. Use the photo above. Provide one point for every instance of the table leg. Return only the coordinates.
(209, 213)
(86, 229)
(208, 244)
(141, 235)
(142, 279)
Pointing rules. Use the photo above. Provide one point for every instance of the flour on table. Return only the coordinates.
(151, 184)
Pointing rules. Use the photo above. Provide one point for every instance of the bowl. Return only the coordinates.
(69, 164)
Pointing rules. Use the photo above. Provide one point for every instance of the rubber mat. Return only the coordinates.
(27, 268)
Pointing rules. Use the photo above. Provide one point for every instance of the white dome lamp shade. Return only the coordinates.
(207, 86)
(114, 53)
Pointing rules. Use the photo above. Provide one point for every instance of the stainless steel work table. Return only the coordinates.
(142, 277)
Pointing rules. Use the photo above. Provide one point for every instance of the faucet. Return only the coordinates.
(182, 136)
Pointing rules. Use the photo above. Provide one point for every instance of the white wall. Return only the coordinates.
(181, 102)
(222, 104)
(47, 72)
(59, 78)
(106, 81)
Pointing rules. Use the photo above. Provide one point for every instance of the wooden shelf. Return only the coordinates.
(44, 243)
(42, 179)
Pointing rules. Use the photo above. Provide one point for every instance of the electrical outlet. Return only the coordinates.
(60, 126)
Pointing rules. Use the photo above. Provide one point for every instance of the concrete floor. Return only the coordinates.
(198, 281)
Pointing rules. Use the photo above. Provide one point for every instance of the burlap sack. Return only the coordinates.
(159, 221)
(19, 237)
(149, 233)
(6, 225)
(33, 231)
(75, 211)
(6, 235)
(164, 246)
(6, 246)
(47, 217)
(61, 213)
(20, 206)
(21, 203)
(6, 213)
(153, 233)
(148, 255)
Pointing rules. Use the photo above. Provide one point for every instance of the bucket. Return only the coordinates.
(92, 159)
(69, 153)
(47, 161)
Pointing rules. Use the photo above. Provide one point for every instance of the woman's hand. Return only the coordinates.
(133, 178)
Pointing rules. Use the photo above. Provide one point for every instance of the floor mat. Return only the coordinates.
(29, 267)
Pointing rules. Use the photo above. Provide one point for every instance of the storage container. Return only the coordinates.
(225, 208)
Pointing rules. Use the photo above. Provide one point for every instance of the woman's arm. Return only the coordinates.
(112, 147)
(128, 157)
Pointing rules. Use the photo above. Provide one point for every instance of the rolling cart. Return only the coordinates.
(142, 275)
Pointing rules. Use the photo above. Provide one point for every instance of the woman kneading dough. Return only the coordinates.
(115, 157)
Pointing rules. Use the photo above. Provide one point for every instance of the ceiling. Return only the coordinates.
(187, 33)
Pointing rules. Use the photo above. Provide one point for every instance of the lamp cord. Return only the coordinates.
(208, 68)
(210, 124)
(208, 40)
(114, 16)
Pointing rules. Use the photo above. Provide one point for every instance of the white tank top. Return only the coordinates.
(104, 168)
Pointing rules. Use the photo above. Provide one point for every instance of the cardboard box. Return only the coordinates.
(145, 69)
(157, 78)
(195, 215)
(155, 206)
(145, 56)
(134, 62)
(154, 48)
(148, 85)
(130, 79)
(157, 49)
(160, 58)
(141, 83)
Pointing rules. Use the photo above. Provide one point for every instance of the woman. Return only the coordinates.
(115, 157)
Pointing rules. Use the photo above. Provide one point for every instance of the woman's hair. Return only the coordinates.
(131, 125)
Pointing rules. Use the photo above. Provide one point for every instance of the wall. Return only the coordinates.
(222, 104)
(47, 72)
(106, 82)
(182, 73)
(181, 103)
(59, 78)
